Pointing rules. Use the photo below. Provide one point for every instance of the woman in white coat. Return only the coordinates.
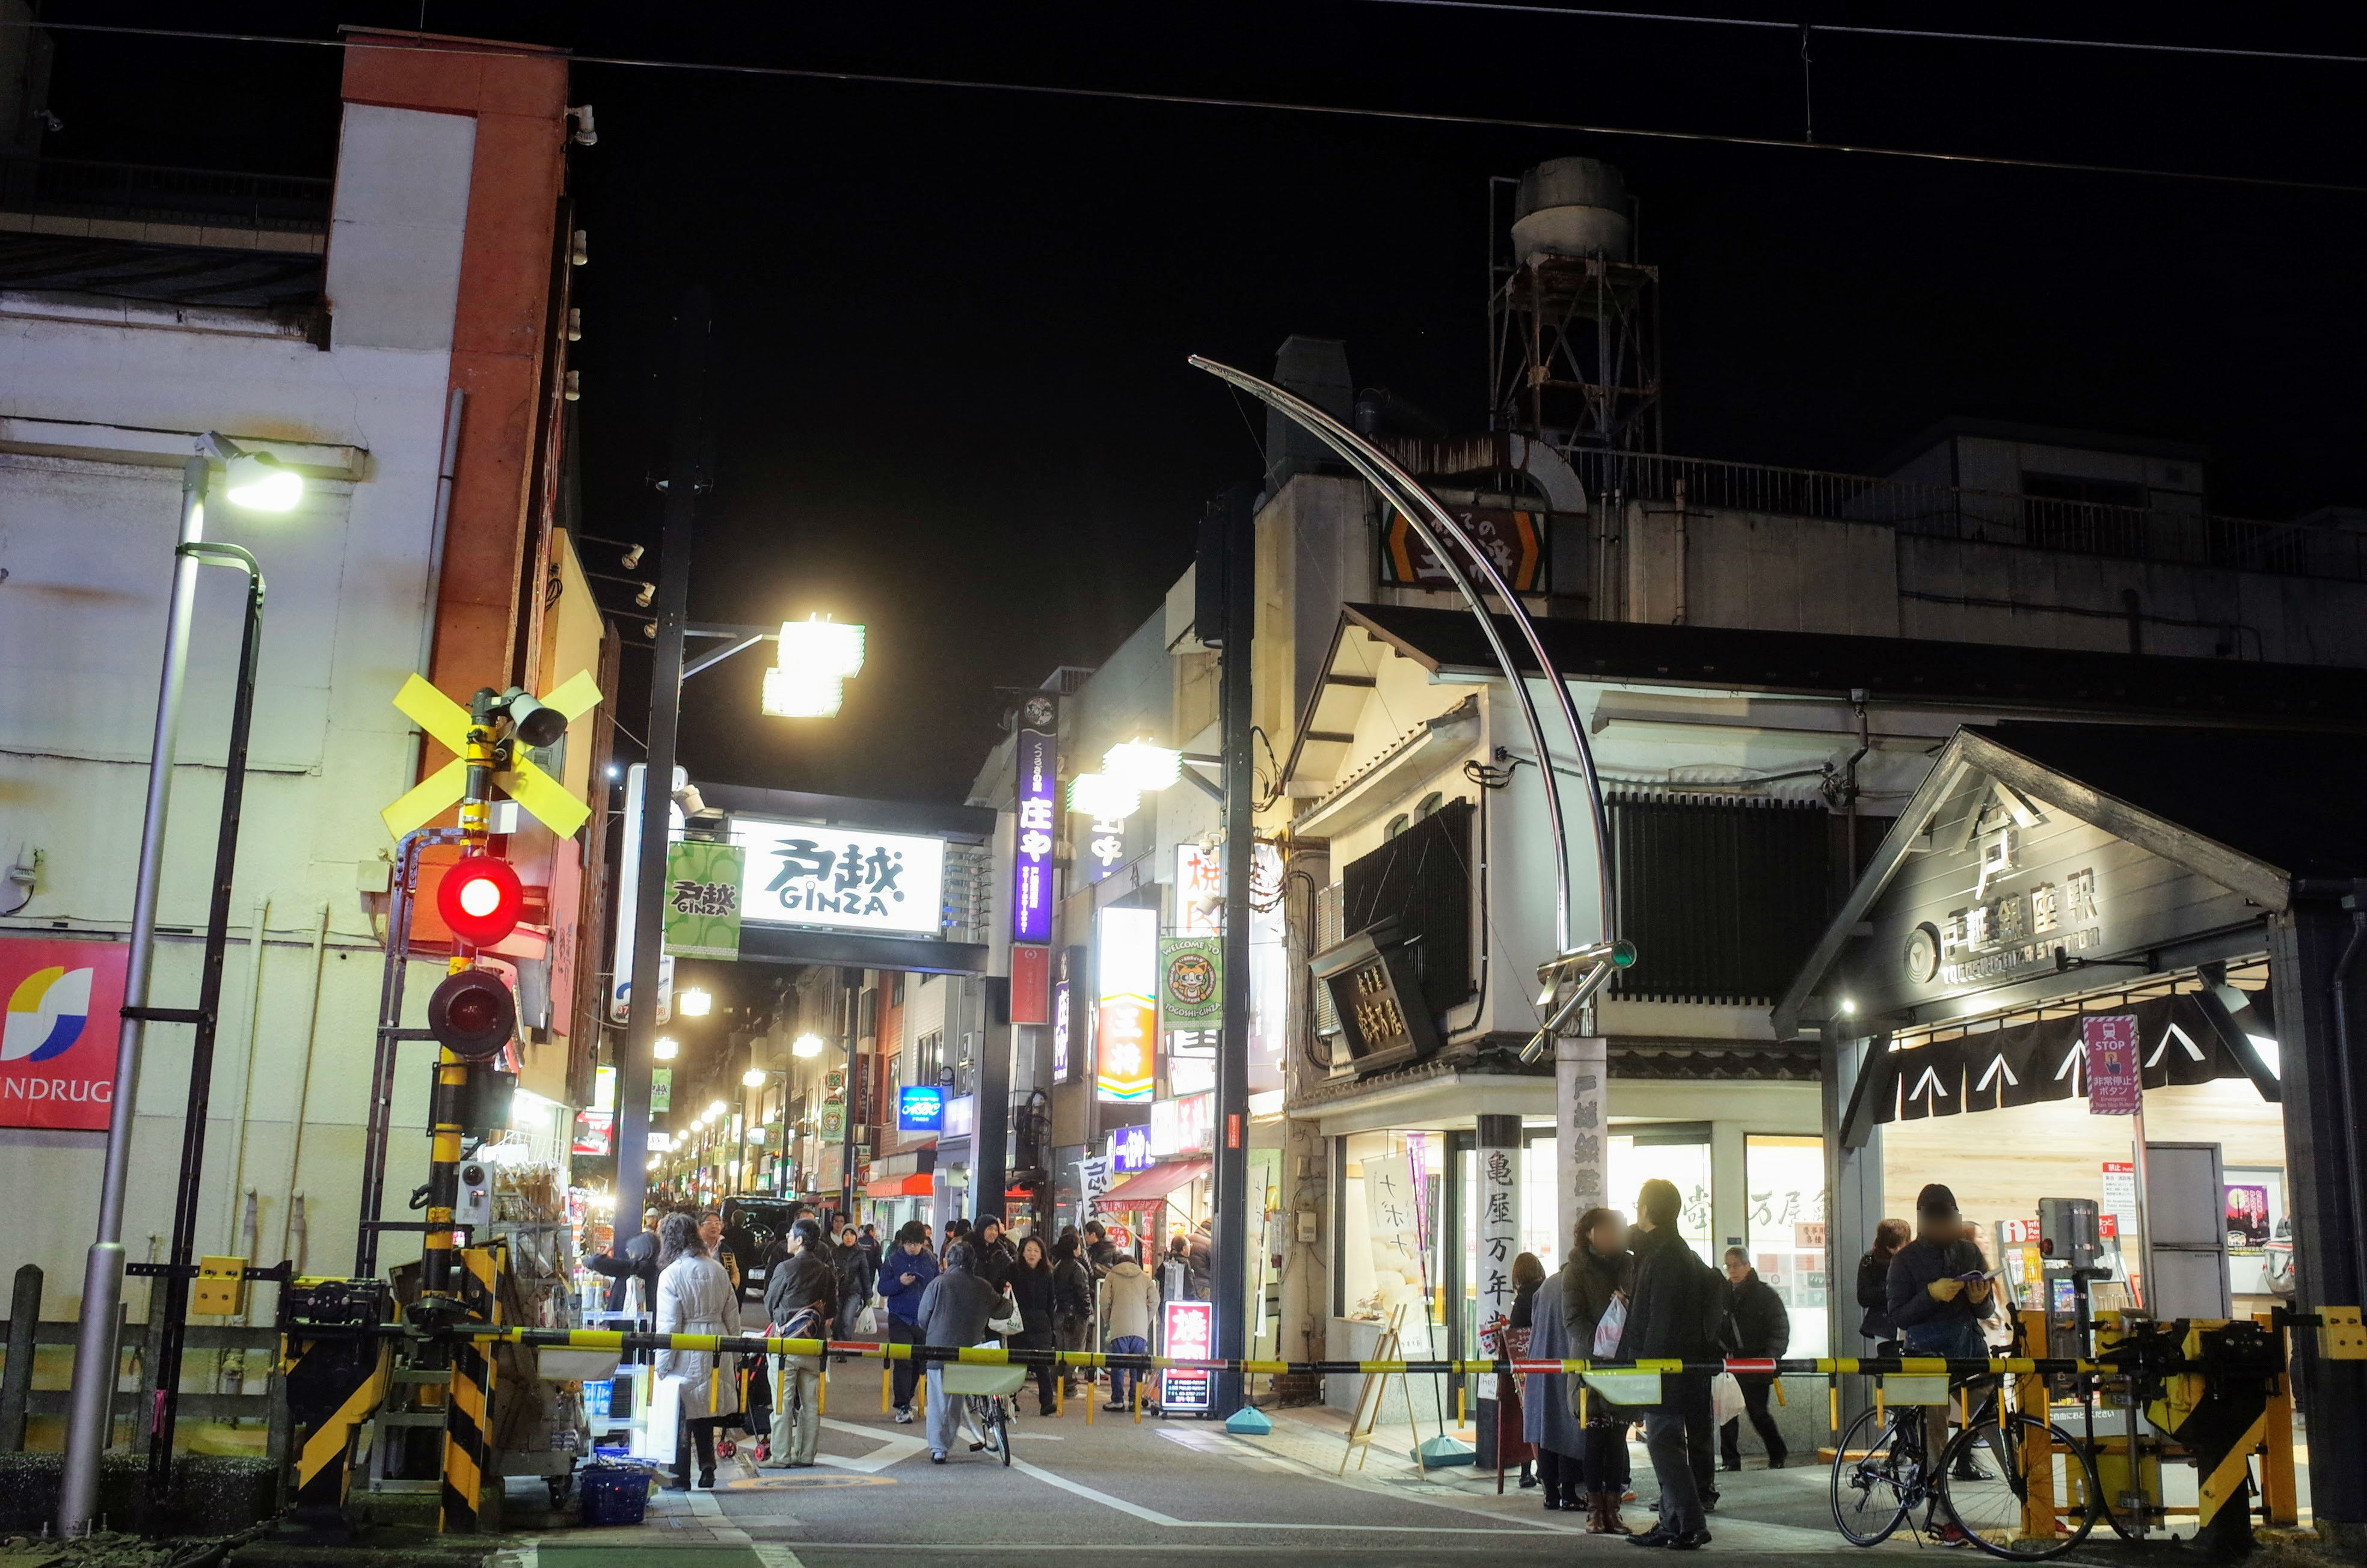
(694, 1296)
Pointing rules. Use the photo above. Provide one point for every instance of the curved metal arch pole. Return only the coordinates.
(1415, 501)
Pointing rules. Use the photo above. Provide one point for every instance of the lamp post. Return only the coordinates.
(259, 482)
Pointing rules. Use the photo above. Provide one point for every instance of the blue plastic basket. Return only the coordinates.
(613, 1494)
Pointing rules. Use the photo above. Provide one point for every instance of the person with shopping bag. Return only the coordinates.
(1595, 1311)
(798, 1298)
(954, 1312)
(1763, 1330)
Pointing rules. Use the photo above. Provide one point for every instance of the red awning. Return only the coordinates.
(1145, 1188)
(920, 1186)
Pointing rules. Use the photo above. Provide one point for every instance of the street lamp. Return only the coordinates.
(754, 1078)
(696, 1003)
(806, 1046)
(666, 1049)
(262, 483)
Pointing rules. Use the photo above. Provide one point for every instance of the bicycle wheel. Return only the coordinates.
(1872, 1491)
(1003, 1430)
(1985, 1500)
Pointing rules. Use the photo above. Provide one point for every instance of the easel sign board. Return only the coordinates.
(1187, 1332)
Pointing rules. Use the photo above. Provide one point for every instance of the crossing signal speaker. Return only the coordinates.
(472, 1014)
(481, 899)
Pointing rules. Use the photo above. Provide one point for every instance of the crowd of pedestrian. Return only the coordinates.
(982, 1282)
(1626, 1294)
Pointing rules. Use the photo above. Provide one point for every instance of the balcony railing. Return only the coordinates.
(152, 193)
(1947, 512)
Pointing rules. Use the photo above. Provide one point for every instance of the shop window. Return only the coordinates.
(929, 1057)
(1421, 879)
(1674, 1152)
(1722, 898)
(1785, 1229)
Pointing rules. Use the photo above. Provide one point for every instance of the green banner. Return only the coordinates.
(702, 904)
(661, 1089)
(834, 1120)
(1191, 994)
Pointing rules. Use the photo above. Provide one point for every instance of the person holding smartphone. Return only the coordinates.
(1940, 1296)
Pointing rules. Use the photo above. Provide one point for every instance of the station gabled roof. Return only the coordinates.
(2255, 811)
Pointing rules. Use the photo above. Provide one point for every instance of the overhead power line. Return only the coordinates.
(2131, 45)
(1339, 111)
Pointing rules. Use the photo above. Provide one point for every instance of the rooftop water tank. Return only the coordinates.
(1571, 206)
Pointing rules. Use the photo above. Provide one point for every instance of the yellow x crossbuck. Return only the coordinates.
(447, 723)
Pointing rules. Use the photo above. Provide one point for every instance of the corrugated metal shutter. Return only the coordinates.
(1722, 898)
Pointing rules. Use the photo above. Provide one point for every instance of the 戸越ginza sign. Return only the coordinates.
(845, 878)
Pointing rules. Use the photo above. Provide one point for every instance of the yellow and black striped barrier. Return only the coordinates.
(761, 1345)
(468, 1414)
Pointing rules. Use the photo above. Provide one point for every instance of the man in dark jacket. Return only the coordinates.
(1940, 1295)
(1100, 1253)
(803, 1280)
(1763, 1330)
(903, 1279)
(953, 1310)
(1669, 1305)
(636, 1259)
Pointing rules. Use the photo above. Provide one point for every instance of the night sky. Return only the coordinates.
(952, 403)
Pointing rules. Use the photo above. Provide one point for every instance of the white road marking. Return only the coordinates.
(1152, 1515)
(772, 1554)
(894, 1444)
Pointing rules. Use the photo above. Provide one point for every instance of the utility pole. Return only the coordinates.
(686, 479)
(1231, 527)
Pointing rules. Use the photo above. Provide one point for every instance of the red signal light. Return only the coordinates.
(481, 899)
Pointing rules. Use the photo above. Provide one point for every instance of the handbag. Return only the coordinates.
(1725, 1398)
(1005, 1317)
(867, 1322)
(1609, 1327)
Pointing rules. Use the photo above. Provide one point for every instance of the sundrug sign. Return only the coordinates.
(57, 1046)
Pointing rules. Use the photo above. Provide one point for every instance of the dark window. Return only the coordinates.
(1722, 898)
(868, 1029)
(896, 987)
(928, 1057)
(1421, 879)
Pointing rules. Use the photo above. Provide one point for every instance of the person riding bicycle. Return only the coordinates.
(1940, 1293)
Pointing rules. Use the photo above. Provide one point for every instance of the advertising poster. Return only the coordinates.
(1038, 827)
(661, 1089)
(803, 874)
(1127, 1014)
(56, 1051)
(702, 901)
(1191, 992)
(920, 1108)
(1187, 1332)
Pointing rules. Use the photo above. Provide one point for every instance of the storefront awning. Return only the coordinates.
(920, 1186)
(1146, 1187)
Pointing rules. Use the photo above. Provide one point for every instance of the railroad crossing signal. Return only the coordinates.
(448, 722)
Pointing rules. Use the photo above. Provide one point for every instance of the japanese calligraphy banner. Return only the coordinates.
(661, 1089)
(1393, 1221)
(702, 902)
(1191, 994)
(803, 873)
(1580, 1073)
(1499, 1234)
(1034, 840)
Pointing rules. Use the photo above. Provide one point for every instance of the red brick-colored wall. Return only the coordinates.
(517, 94)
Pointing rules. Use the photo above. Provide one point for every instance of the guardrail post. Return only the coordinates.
(2038, 1522)
(16, 1381)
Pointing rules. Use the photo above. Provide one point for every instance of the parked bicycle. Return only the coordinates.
(1982, 1481)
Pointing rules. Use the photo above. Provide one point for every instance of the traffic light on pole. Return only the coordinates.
(481, 899)
(472, 1014)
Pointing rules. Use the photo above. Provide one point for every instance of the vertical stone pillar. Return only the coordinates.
(1496, 1196)
(1581, 1103)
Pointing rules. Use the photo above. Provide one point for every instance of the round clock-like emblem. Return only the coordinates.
(1037, 712)
(1922, 954)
